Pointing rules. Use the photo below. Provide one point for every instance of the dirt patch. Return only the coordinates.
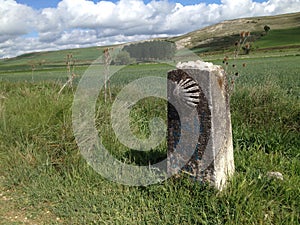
(183, 43)
(13, 212)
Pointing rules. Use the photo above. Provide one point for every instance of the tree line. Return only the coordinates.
(151, 50)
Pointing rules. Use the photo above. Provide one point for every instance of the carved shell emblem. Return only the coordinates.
(188, 91)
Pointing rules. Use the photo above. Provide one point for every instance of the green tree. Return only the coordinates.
(123, 58)
(151, 50)
(267, 28)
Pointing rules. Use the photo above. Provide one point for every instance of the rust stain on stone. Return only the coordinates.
(220, 82)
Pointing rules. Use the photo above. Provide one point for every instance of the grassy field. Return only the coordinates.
(44, 179)
(277, 38)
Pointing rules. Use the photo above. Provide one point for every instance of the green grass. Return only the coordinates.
(54, 74)
(52, 58)
(279, 38)
(45, 179)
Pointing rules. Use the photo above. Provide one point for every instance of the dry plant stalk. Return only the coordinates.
(242, 44)
(2, 109)
(107, 61)
(231, 69)
(70, 65)
(32, 64)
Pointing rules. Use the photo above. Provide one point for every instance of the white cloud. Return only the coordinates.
(77, 37)
(15, 19)
(85, 23)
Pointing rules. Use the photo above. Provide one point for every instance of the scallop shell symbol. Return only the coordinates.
(188, 91)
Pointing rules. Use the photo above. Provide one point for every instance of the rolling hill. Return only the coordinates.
(223, 35)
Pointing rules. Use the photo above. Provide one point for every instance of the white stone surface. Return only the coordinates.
(276, 175)
(201, 65)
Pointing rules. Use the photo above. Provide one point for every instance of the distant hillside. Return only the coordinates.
(224, 34)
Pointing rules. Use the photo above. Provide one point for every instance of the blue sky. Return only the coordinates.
(41, 25)
(39, 4)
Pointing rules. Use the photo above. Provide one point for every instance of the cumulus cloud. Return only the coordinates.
(15, 19)
(81, 23)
